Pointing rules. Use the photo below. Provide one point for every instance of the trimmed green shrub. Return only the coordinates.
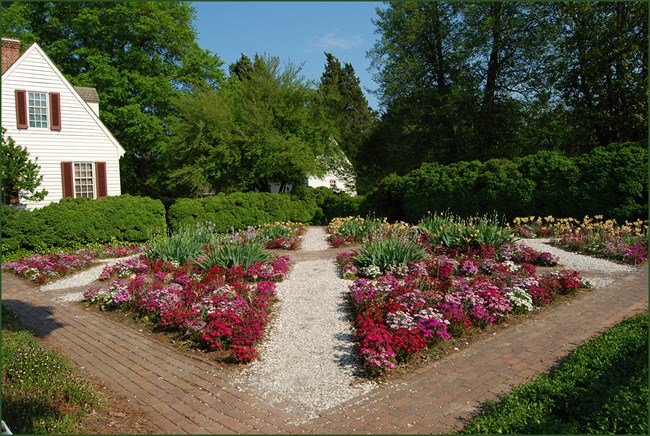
(74, 223)
(386, 200)
(555, 177)
(240, 210)
(610, 181)
(614, 181)
(329, 204)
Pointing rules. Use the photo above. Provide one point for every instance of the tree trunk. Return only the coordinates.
(489, 94)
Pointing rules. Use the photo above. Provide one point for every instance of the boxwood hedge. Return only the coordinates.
(72, 223)
(611, 180)
(240, 210)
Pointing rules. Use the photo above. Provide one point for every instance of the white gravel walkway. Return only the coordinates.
(83, 278)
(591, 268)
(307, 363)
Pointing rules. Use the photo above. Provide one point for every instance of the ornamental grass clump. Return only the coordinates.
(181, 246)
(229, 254)
(454, 232)
(378, 256)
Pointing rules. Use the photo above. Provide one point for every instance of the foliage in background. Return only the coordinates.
(464, 81)
(40, 392)
(340, 93)
(329, 204)
(611, 180)
(263, 125)
(20, 176)
(74, 223)
(239, 210)
(601, 388)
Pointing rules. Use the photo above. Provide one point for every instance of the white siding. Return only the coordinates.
(82, 137)
(328, 180)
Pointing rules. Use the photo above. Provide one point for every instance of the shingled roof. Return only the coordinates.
(88, 94)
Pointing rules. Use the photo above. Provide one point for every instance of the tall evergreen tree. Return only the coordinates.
(345, 103)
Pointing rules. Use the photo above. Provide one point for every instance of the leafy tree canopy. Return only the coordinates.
(261, 126)
(460, 81)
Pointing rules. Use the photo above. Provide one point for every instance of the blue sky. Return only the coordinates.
(293, 31)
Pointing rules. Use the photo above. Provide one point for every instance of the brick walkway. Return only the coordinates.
(182, 394)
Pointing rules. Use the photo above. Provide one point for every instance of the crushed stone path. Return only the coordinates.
(184, 394)
(307, 362)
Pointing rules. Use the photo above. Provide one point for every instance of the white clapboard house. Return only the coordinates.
(59, 125)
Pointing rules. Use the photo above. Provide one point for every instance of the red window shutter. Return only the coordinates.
(102, 186)
(55, 111)
(68, 179)
(21, 108)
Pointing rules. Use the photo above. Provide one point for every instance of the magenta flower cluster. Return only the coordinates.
(41, 268)
(442, 296)
(215, 308)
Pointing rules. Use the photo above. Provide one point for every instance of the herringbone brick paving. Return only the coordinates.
(182, 394)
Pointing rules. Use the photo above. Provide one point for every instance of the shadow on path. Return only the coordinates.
(40, 319)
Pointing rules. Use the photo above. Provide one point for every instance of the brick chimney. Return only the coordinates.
(10, 52)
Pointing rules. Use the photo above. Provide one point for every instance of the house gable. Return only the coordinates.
(7, 75)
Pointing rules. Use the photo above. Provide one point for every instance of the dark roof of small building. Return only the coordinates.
(88, 94)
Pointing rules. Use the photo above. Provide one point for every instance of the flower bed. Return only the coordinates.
(626, 243)
(42, 268)
(401, 313)
(212, 308)
(402, 308)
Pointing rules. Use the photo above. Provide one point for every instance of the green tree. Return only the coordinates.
(20, 176)
(267, 127)
(141, 56)
(340, 92)
(602, 71)
(504, 46)
(429, 102)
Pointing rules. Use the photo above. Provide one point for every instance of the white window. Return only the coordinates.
(37, 109)
(84, 183)
(333, 186)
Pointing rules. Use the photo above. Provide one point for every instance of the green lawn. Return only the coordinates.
(40, 393)
(601, 388)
